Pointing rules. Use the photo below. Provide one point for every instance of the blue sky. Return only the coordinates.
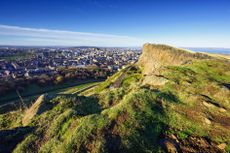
(182, 23)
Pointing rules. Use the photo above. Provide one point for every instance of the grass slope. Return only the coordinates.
(122, 115)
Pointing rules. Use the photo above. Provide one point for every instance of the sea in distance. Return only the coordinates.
(211, 50)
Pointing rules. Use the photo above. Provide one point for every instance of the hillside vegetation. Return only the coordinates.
(172, 100)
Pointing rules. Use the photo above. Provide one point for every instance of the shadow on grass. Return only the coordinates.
(81, 104)
(168, 96)
(226, 85)
(87, 106)
(10, 138)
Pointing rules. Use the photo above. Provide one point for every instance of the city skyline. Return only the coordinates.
(115, 23)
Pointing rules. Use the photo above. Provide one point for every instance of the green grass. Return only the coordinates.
(34, 90)
(27, 145)
(77, 121)
(10, 120)
(133, 76)
(106, 84)
(78, 88)
(189, 82)
(228, 149)
(132, 117)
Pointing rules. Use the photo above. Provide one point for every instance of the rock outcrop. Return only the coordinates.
(155, 57)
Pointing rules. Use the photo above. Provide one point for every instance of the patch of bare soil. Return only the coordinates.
(223, 120)
(199, 145)
(172, 144)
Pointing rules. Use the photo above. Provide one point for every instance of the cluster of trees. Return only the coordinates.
(62, 76)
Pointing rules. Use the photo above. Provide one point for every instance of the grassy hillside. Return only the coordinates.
(189, 113)
(34, 89)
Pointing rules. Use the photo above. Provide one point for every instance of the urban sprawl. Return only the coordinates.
(28, 62)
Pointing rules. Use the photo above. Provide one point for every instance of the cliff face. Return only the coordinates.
(154, 57)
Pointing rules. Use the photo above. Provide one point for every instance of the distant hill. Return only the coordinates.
(171, 100)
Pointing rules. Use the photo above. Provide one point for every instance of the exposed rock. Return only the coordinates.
(211, 104)
(155, 57)
(170, 144)
(154, 80)
(222, 110)
(222, 146)
(199, 145)
(207, 121)
(208, 105)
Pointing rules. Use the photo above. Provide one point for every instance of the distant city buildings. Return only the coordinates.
(29, 62)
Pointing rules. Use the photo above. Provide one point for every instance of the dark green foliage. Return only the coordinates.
(88, 106)
(17, 135)
(168, 96)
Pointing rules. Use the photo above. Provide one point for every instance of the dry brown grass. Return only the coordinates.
(32, 111)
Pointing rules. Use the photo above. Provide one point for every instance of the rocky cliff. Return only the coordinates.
(156, 57)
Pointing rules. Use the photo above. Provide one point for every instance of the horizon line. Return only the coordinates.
(23, 36)
(95, 46)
